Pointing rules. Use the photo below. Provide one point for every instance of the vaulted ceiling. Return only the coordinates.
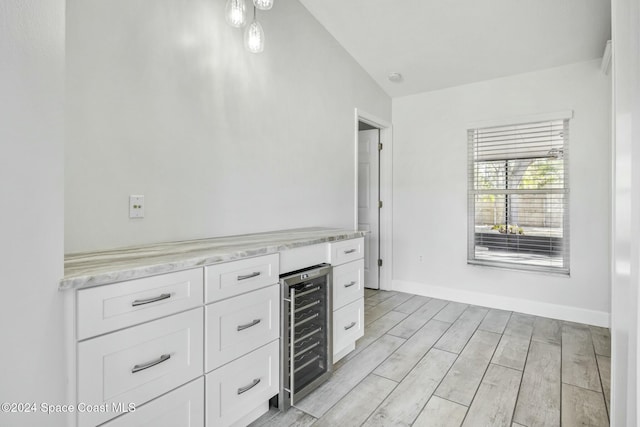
(444, 43)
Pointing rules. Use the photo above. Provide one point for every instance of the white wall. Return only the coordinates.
(31, 200)
(430, 192)
(626, 211)
(164, 101)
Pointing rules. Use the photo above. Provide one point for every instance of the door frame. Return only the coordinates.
(386, 175)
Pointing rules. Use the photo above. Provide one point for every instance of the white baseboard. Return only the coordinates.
(537, 308)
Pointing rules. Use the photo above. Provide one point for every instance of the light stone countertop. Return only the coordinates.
(88, 269)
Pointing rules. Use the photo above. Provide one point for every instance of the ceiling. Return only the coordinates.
(444, 43)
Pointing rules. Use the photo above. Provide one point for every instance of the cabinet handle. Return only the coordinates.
(346, 328)
(148, 365)
(249, 276)
(248, 325)
(249, 387)
(150, 300)
(348, 285)
(350, 251)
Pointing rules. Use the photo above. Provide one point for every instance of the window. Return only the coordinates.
(518, 196)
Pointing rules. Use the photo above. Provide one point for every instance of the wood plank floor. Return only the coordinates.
(428, 362)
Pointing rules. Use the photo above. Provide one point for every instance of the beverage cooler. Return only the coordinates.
(306, 353)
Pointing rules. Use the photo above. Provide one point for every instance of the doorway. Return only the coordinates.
(369, 203)
(373, 198)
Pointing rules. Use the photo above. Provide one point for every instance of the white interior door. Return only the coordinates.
(368, 198)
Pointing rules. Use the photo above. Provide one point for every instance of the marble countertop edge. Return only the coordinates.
(84, 270)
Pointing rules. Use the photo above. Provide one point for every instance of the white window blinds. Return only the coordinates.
(519, 196)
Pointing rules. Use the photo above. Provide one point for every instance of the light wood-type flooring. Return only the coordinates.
(429, 362)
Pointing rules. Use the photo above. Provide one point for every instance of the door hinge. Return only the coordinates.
(379, 263)
(379, 204)
(379, 146)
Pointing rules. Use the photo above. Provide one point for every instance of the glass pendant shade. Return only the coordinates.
(263, 4)
(254, 37)
(236, 13)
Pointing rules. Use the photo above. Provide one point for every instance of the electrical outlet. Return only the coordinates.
(136, 206)
(419, 258)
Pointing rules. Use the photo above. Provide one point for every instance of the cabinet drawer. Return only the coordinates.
(346, 251)
(183, 407)
(241, 324)
(137, 364)
(348, 283)
(108, 308)
(237, 388)
(237, 277)
(348, 325)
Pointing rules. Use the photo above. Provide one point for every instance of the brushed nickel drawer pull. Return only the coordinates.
(249, 387)
(350, 251)
(346, 328)
(148, 365)
(150, 300)
(348, 285)
(248, 325)
(249, 276)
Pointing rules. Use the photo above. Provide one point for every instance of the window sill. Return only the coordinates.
(527, 268)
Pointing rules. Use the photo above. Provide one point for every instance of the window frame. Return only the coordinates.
(473, 191)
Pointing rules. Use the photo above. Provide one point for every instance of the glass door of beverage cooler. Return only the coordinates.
(306, 332)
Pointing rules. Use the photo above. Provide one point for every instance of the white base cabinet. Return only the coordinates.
(346, 251)
(135, 365)
(197, 347)
(347, 259)
(183, 407)
(241, 339)
(147, 344)
(348, 325)
(233, 278)
(238, 325)
(108, 308)
(348, 283)
(239, 387)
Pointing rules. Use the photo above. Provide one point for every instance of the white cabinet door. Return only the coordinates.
(348, 325)
(137, 364)
(108, 308)
(183, 407)
(238, 388)
(236, 277)
(348, 283)
(239, 325)
(346, 251)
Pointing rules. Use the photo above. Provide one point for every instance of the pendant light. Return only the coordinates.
(236, 13)
(254, 36)
(263, 4)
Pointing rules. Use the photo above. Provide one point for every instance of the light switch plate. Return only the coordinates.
(136, 206)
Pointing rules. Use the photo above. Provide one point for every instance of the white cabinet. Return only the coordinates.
(348, 324)
(346, 251)
(183, 407)
(137, 364)
(108, 308)
(148, 343)
(236, 277)
(348, 283)
(241, 339)
(238, 325)
(236, 389)
(347, 259)
(135, 341)
(201, 345)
